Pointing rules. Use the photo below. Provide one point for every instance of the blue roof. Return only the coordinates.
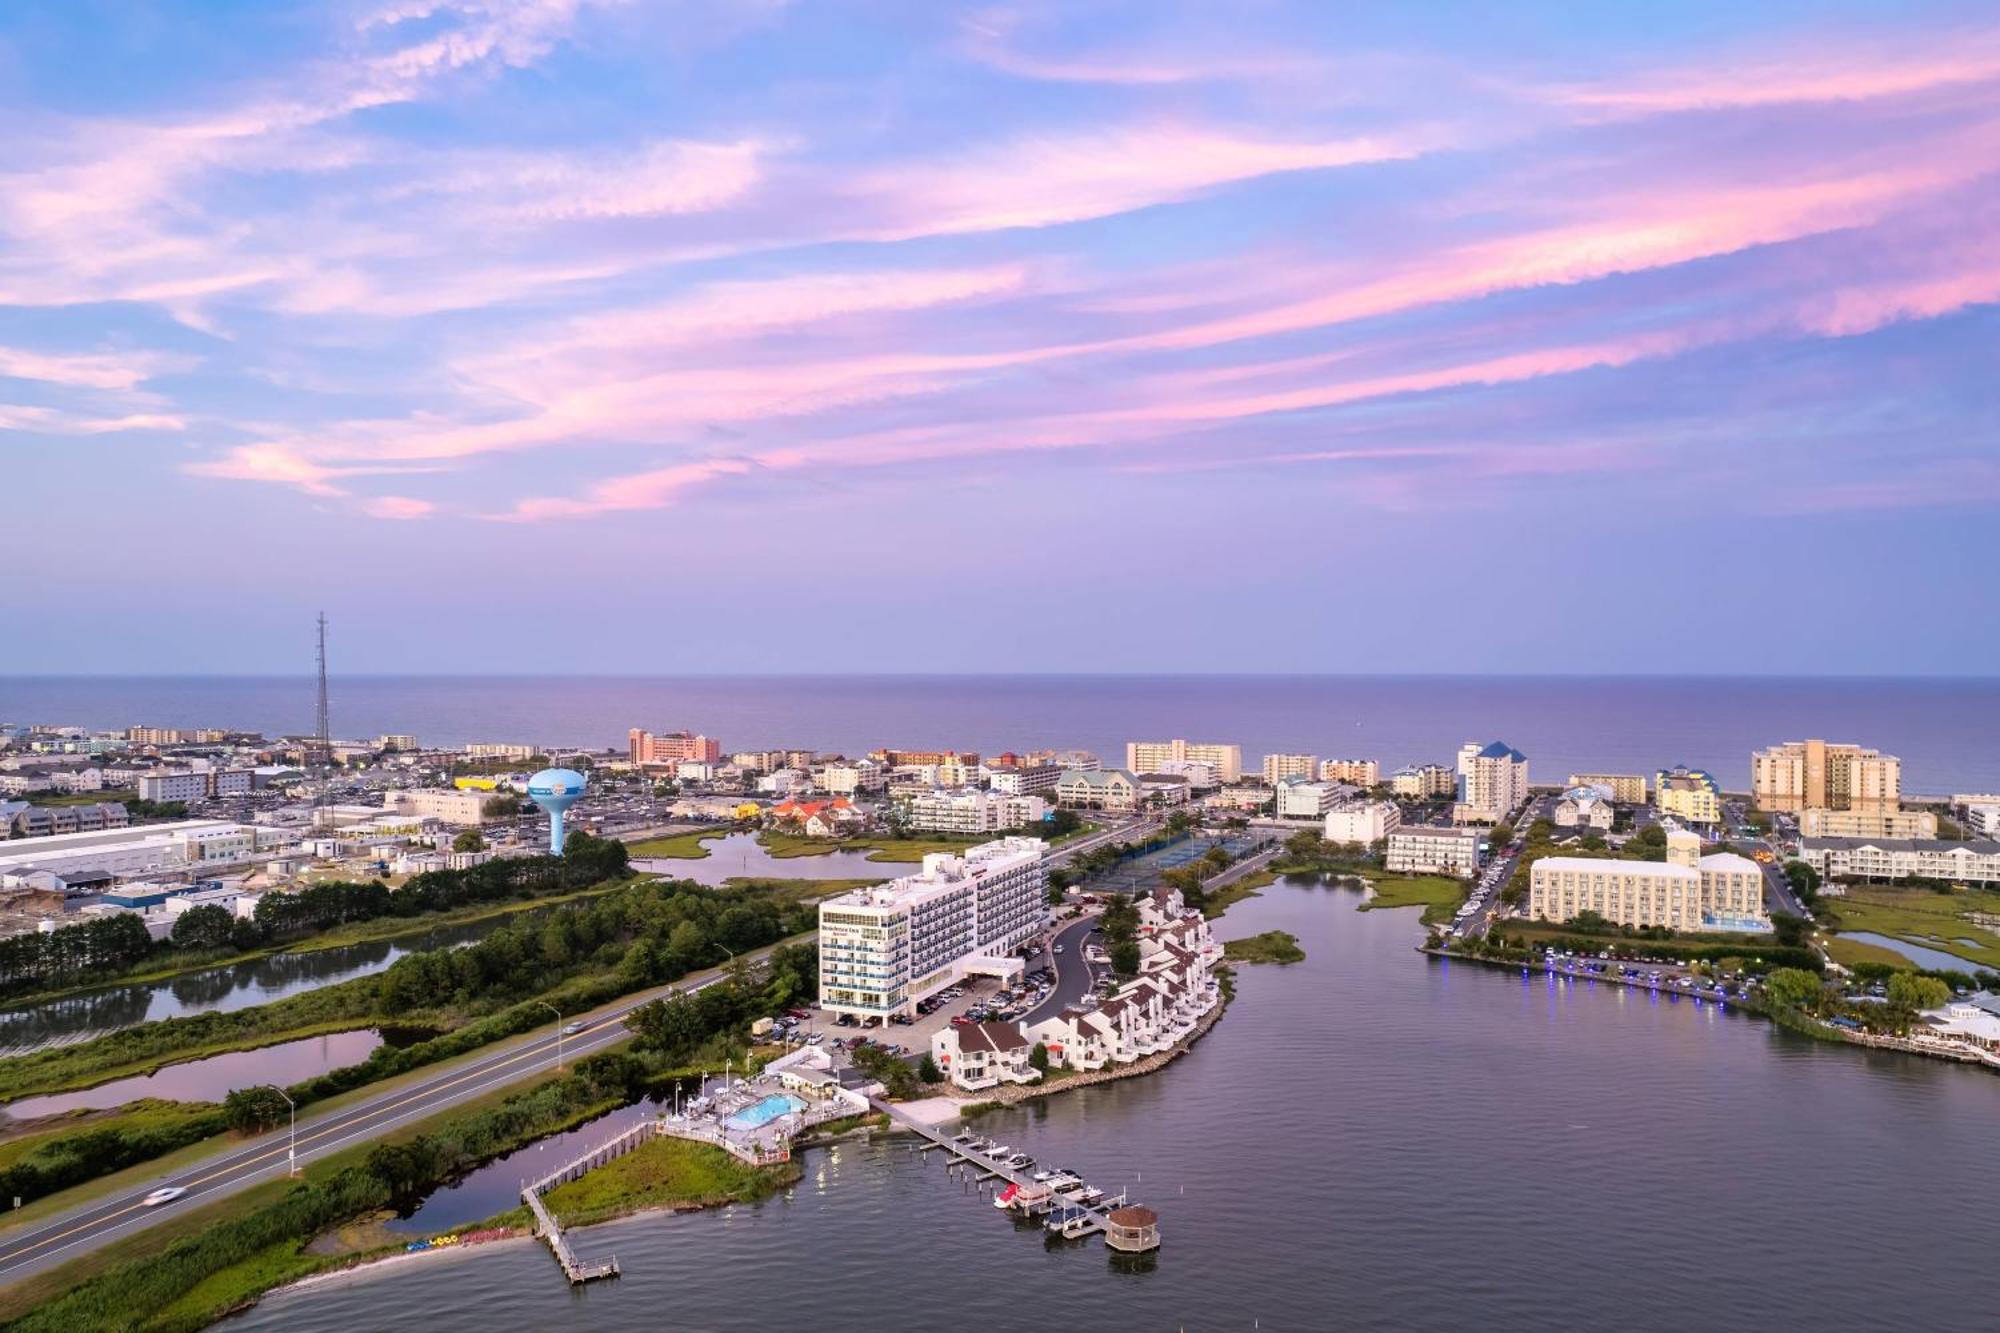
(1501, 750)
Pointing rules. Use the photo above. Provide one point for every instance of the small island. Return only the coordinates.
(1273, 946)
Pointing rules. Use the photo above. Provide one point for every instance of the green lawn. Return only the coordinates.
(1934, 920)
(679, 847)
(665, 1173)
(1273, 946)
(1848, 952)
(1436, 894)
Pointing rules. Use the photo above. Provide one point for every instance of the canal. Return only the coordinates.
(1368, 1140)
(214, 1077)
(741, 856)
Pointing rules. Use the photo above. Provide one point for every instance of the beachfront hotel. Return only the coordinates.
(1688, 891)
(883, 949)
(1492, 781)
(1813, 775)
(1154, 756)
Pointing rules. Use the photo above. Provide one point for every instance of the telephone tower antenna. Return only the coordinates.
(322, 737)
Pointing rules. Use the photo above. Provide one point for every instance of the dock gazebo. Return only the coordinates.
(1132, 1229)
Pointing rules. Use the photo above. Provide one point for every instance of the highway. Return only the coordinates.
(27, 1250)
(61, 1236)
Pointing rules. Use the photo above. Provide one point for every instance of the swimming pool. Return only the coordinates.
(760, 1114)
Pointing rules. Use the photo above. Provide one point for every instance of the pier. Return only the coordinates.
(546, 1225)
(1069, 1218)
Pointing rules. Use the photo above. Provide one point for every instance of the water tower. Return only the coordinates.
(556, 790)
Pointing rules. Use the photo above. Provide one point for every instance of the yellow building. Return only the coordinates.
(1868, 824)
(1625, 788)
(1688, 794)
(1154, 756)
(476, 784)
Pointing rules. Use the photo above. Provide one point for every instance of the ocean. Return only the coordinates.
(1947, 731)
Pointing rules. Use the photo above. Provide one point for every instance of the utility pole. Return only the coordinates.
(322, 741)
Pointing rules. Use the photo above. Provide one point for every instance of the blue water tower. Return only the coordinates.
(556, 790)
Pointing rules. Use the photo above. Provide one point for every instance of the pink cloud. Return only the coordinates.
(87, 370)
(396, 507)
(1842, 76)
(640, 490)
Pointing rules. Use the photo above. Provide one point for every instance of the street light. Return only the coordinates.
(292, 1139)
(559, 1032)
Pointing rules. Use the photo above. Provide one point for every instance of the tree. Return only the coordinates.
(251, 1110)
(928, 1071)
(1805, 881)
(1038, 1058)
(1125, 958)
(1794, 988)
(204, 928)
(1914, 992)
(1790, 930)
(469, 841)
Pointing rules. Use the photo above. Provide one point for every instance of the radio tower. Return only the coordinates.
(322, 755)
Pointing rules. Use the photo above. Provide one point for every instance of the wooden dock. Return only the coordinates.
(546, 1225)
(1087, 1219)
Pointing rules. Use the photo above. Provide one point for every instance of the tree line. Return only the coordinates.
(113, 945)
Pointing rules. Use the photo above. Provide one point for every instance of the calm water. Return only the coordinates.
(235, 986)
(740, 855)
(214, 1078)
(1947, 731)
(1369, 1140)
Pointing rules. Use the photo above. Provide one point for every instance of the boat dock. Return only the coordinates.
(1071, 1213)
(550, 1230)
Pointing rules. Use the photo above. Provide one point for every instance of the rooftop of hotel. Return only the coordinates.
(944, 871)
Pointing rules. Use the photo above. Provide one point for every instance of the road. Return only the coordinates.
(1074, 978)
(1493, 876)
(88, 1225)
(63, 1235)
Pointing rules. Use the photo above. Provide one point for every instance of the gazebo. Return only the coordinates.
(1132, 1229)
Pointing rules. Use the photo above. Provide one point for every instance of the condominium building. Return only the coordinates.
(1492, 782)
(1151, 756)
(1423, 782)
(1687, 794)
(175, 735)
(1303, 798)
(1198, 775)
(504, 750)
(905, 758)
(883, 949)
(446, 804)
(861, 776)
(1625, 788)
(1366, 822)
(970, 810)
(1687, 891)
(1354, 772)
(1980, 819)
(1278, 767)
(19, 819)
(1101, 789)
(644, 747)
(1428, 849)
(1872, 824)
(1585, 807)
(1903, 858)
(1025, 780)
(1815, 775)
(196, 785)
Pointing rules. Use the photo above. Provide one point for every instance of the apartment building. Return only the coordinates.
(1903, 858)
(1366, 822)
(853, 779)
(970, 810)
(1687, 891)
(968, 759)
(1981, 820)
(882, 949)
(1874, 824)
(19, 819)
(1362, 773)
(1303, 798)
(1152, 756)
(1428, 849)
(196, 785)
(1492, 782)
(644, 747)
(175, 735)
(507, 751)
(1816, 775)
(1423, 782)
(1025, 780)
(445, 804)
(1278, 767)
(1688, 794)
(1100, 789)
(1624, 788)
(1585, 807)
(983, 1055)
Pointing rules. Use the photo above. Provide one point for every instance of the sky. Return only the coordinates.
(738, 335)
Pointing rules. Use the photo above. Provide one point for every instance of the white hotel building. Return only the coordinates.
(882, 949)
(1688, 891)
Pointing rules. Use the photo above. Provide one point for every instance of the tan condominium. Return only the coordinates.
(1688, 891)
(1868, 824)
(1813, 775)
(1354, 772)
(1155, 756)
(1278, 767)
(1625, 788)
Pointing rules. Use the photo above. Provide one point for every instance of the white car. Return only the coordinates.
(160, 1196)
